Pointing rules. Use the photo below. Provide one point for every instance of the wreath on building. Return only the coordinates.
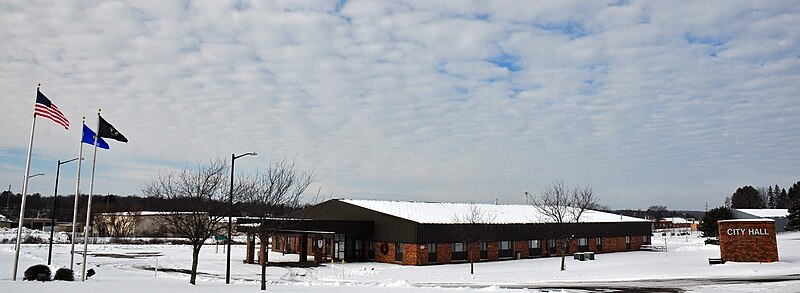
(384, 248)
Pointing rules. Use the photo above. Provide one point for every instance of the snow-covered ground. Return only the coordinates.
(130, 268)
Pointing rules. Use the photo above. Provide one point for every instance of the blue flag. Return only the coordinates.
(88, 138)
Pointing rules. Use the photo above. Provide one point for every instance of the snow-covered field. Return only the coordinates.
(130, 268)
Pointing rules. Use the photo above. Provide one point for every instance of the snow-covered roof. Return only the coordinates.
(766, 213)
(446, 213)
(748, 220)
(677, 220)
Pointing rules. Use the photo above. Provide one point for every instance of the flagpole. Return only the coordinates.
(77, 193)
(89, 203)
(24, 192)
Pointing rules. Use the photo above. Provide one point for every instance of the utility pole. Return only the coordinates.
(8, 199)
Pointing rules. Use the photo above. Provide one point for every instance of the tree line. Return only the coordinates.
(40, 206)
(749, 197)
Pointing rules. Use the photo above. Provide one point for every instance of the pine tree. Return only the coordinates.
(709, 225)
(794, 192)
(783, 200)
(776, 192)
(770, 198)
(794, 216)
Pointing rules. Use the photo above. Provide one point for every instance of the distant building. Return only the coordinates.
(673, 224)
(779, 215)
(130, 224)
(5, 222)
(422, 233)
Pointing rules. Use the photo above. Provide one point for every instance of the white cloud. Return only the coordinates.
(422, 100)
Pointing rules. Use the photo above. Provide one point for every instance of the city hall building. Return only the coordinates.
(423, 233)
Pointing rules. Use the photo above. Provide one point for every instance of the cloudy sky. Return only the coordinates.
(667, 103)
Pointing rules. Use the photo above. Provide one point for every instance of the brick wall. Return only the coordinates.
(493, 250)
(521, 246)
(386, 258)
(614, 244)
(411, 254)
(474, 253)
(748, 240)
(444, 253)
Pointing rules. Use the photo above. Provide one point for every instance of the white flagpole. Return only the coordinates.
(22, 205)
(24, 192)
(77, 194)
(89, 204)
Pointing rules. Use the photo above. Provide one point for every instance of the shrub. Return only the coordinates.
(33, 240)
(64, 274)
(709, 224)
(32, 273)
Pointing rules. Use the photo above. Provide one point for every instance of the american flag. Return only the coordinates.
(47, 109)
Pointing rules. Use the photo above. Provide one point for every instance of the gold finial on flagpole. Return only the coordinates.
(39, 85)
(98, 110)
(84, 118)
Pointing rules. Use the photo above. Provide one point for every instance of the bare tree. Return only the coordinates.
(561, 205)
(472, 227)
(195, 195)
(271, 196)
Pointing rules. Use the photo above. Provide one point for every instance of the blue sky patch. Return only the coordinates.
(507, 61)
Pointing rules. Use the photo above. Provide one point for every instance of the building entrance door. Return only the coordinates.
(338, 246)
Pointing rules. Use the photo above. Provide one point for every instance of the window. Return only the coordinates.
(432, 252)
(627, 242)
(459, 251)
(534, 244)
(583, 244)
(505, 249)
(398, 251)
(534, 248)
(484, 253)
(431, 247)
(599, 244)
(645, 239)
(359, 250)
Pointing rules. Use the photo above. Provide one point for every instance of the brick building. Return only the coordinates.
(422, 233)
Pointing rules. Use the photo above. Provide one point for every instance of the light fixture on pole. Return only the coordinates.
(53, 210)
(230, 217)
(17, 247)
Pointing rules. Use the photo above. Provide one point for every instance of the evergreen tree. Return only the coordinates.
(794, 192)
(709, 225)
(783, 200)
(747, 197)
(776, 192)
(794, 216)
(770, 198)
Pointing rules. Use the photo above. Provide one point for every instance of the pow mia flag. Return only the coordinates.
(109, 131)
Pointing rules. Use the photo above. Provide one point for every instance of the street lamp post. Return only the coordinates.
(53, 210)
(230, 217)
